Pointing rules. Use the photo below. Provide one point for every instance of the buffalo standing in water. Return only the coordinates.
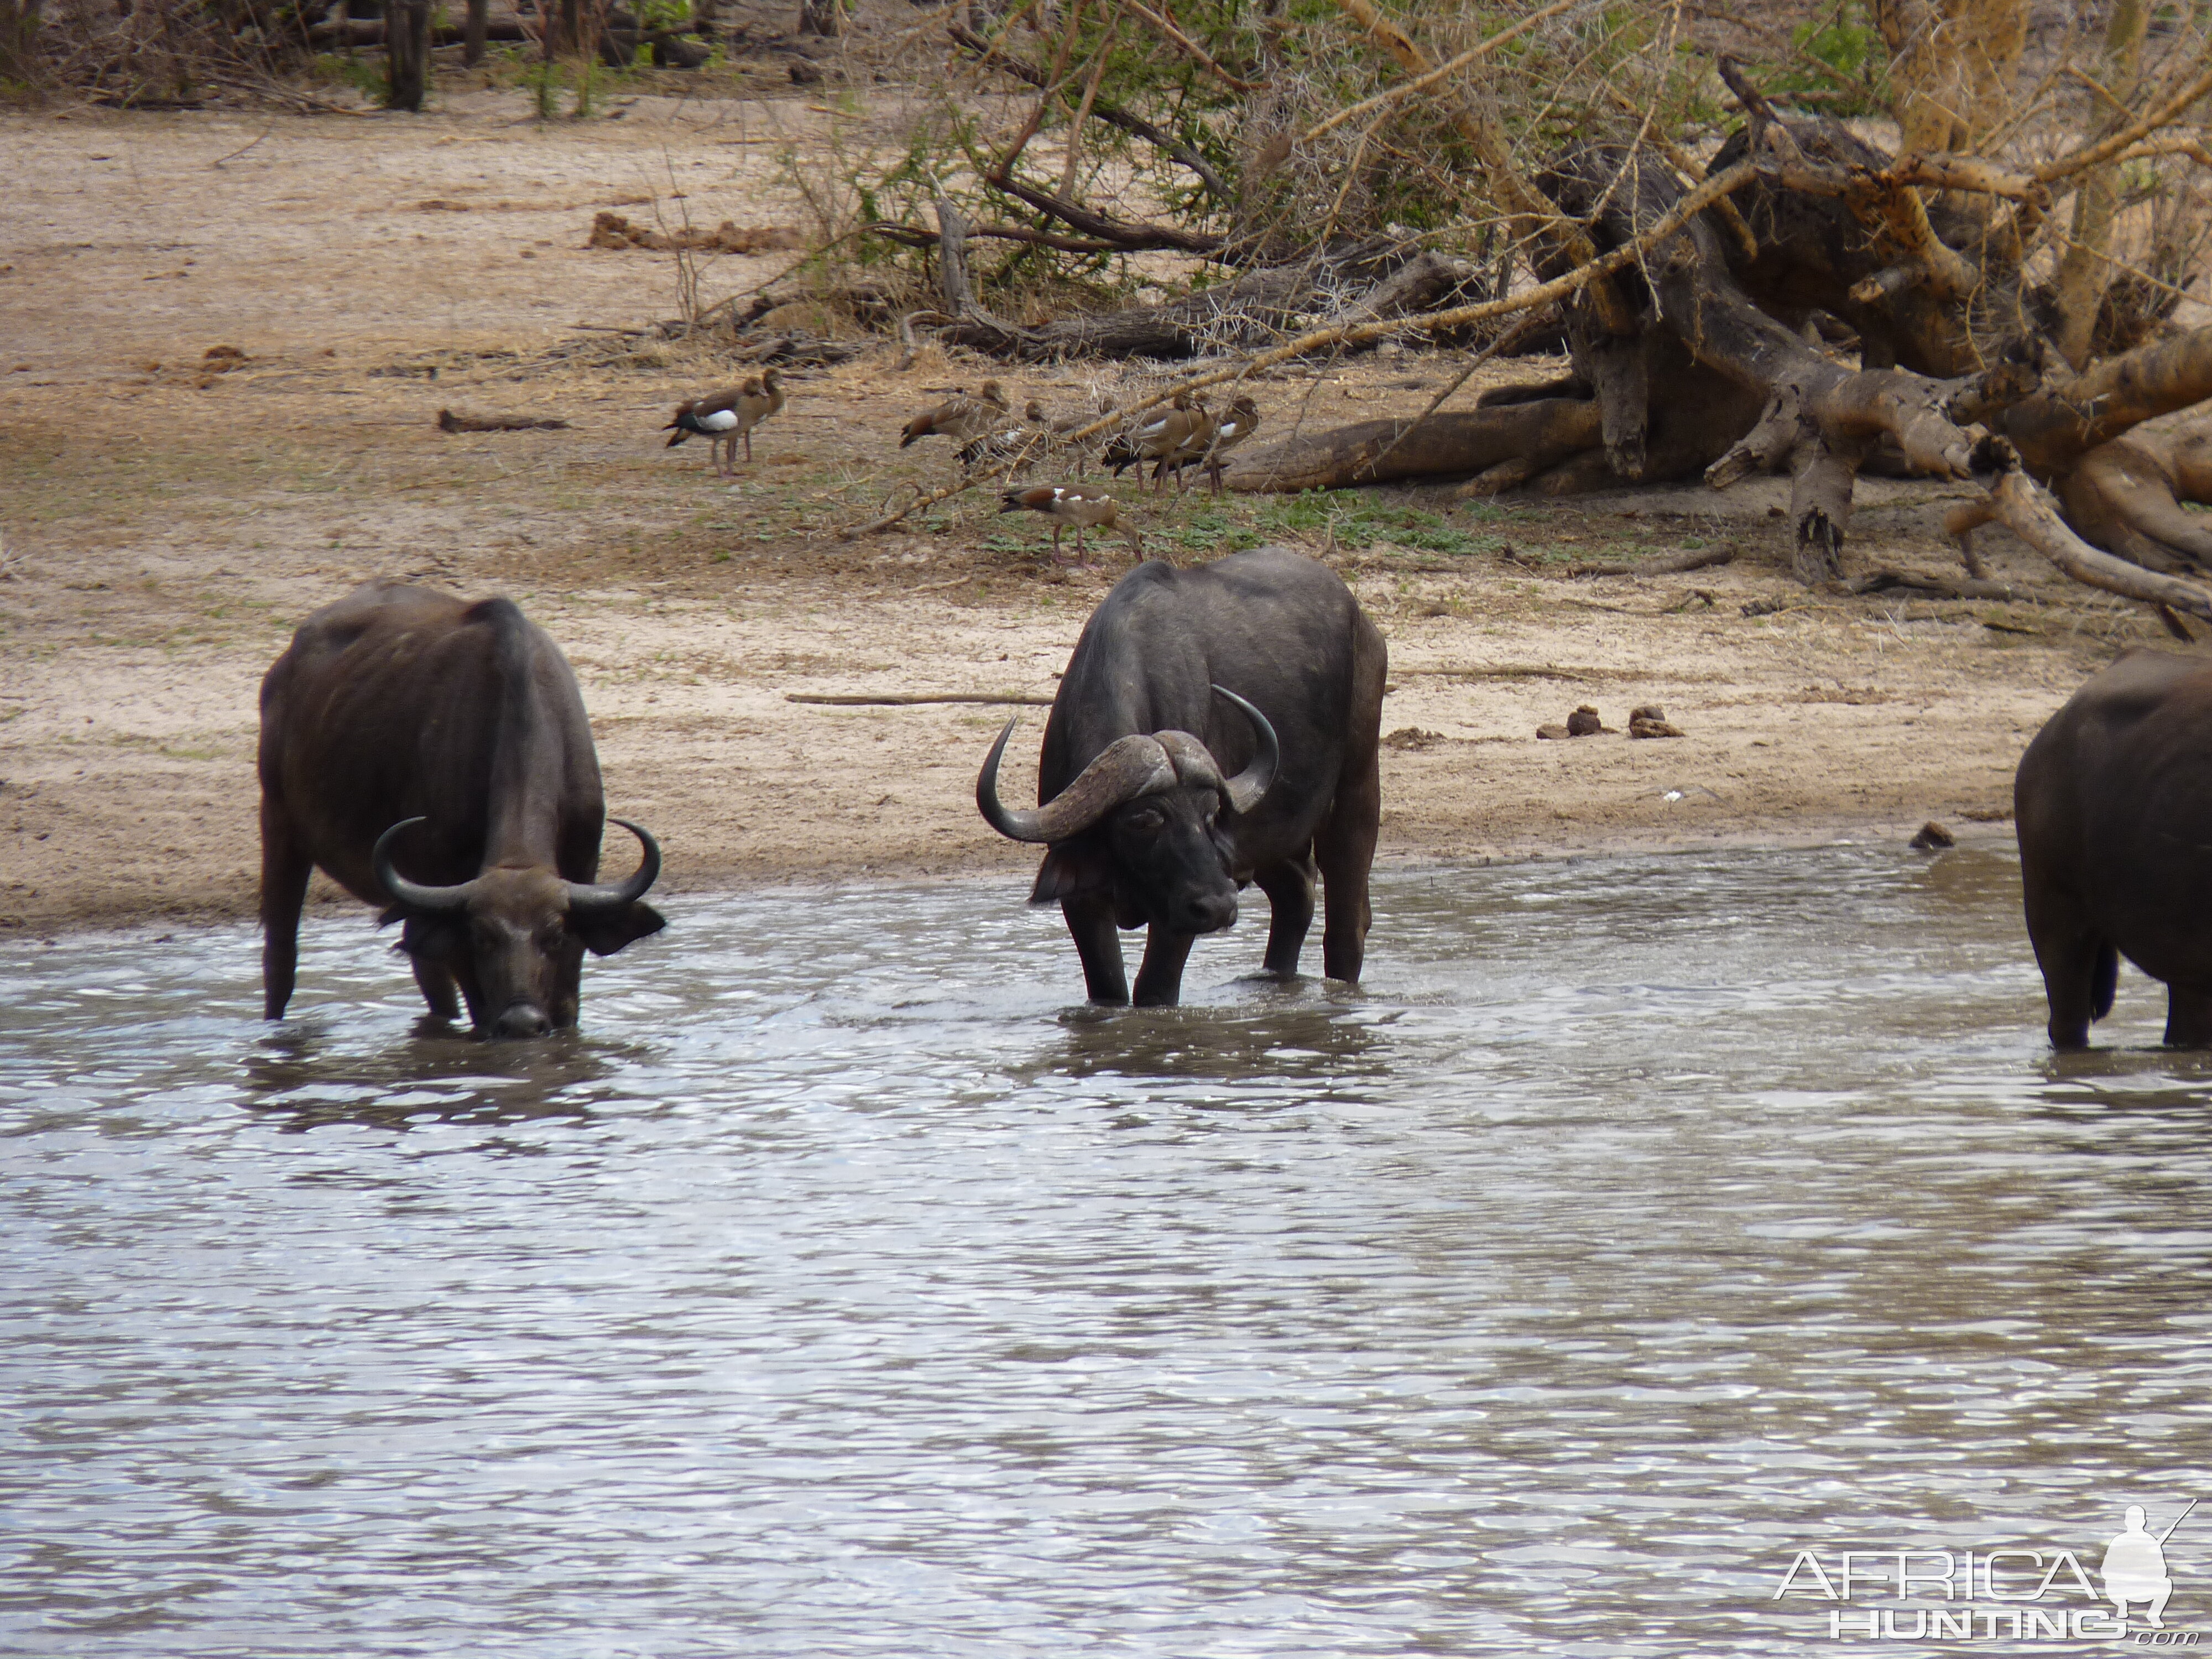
(2113, 806)
(1215, 727)
(404, 721)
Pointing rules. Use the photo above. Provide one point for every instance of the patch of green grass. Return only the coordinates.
(365, 74)
(1360, 518)
(1210, 531)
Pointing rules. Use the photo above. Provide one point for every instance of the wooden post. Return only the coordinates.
(407, 53)
(479, 24)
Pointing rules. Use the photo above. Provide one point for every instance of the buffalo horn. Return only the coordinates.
(1126, 767)
(1245, 789)
(429, 900)
(586, 897)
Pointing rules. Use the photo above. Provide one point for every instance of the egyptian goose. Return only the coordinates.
(1084, 509)
(1230, 429)
(1158, 440)
(959, 416)
(1018, 444)
(725, 417)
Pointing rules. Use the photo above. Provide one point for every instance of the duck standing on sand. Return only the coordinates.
(1063, 505)
(728, 416)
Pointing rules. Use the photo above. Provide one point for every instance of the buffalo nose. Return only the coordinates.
(522, 1020)
(1209, 915)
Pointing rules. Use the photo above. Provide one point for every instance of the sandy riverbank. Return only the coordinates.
(165, 527)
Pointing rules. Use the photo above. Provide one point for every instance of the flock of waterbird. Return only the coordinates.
(990, 436)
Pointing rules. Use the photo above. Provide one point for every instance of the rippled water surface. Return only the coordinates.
(847, 1290)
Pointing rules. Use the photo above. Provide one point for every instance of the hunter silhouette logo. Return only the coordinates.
(2009, 1594)
(2135, 1567)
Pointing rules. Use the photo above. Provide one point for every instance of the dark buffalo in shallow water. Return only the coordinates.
(1215, 727)
(2113, 806)
(408, 727)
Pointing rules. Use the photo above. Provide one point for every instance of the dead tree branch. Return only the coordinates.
(1430, 77)
(1112, 114)
(2016, 502)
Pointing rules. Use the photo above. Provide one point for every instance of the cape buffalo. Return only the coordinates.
(2113, 807)
(1215, 727)
(407, 725)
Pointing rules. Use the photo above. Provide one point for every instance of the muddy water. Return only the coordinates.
(847, 1291)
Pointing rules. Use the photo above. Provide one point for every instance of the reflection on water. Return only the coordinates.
(846, 1289)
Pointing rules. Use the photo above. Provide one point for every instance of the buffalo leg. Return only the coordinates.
(1345, 849)
(2079, 970)
(1098, 943)
(1159, 977)
(1290, 890)
(2188, 1017)
(284, 870)
(436, 984)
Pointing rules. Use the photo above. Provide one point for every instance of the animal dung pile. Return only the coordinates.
(1649, 721)
(1933, 838)
(1412, 736)
(611, 230)
(1584, 722)
(217, 360)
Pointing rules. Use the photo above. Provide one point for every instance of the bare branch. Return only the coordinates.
(1421, 82)
(1198, 53)
(2164, 113)
(1111, 114)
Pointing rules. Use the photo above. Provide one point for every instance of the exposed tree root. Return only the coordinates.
(2126, 496)
(2030, 515)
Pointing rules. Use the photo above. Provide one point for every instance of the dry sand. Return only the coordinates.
(165, 527)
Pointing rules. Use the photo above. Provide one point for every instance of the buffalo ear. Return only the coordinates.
(1069, 870)
(437, 938)
(604, 935)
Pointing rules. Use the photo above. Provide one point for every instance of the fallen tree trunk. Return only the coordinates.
(1660, 397)
(1542, 434)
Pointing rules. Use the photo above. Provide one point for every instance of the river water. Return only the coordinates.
(847, 1290)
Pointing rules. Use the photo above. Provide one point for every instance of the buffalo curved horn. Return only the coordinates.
(1126, 768)
(1245, 789)
(415, 896)
(586, 898)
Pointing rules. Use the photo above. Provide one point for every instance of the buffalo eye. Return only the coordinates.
(1145, 817)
